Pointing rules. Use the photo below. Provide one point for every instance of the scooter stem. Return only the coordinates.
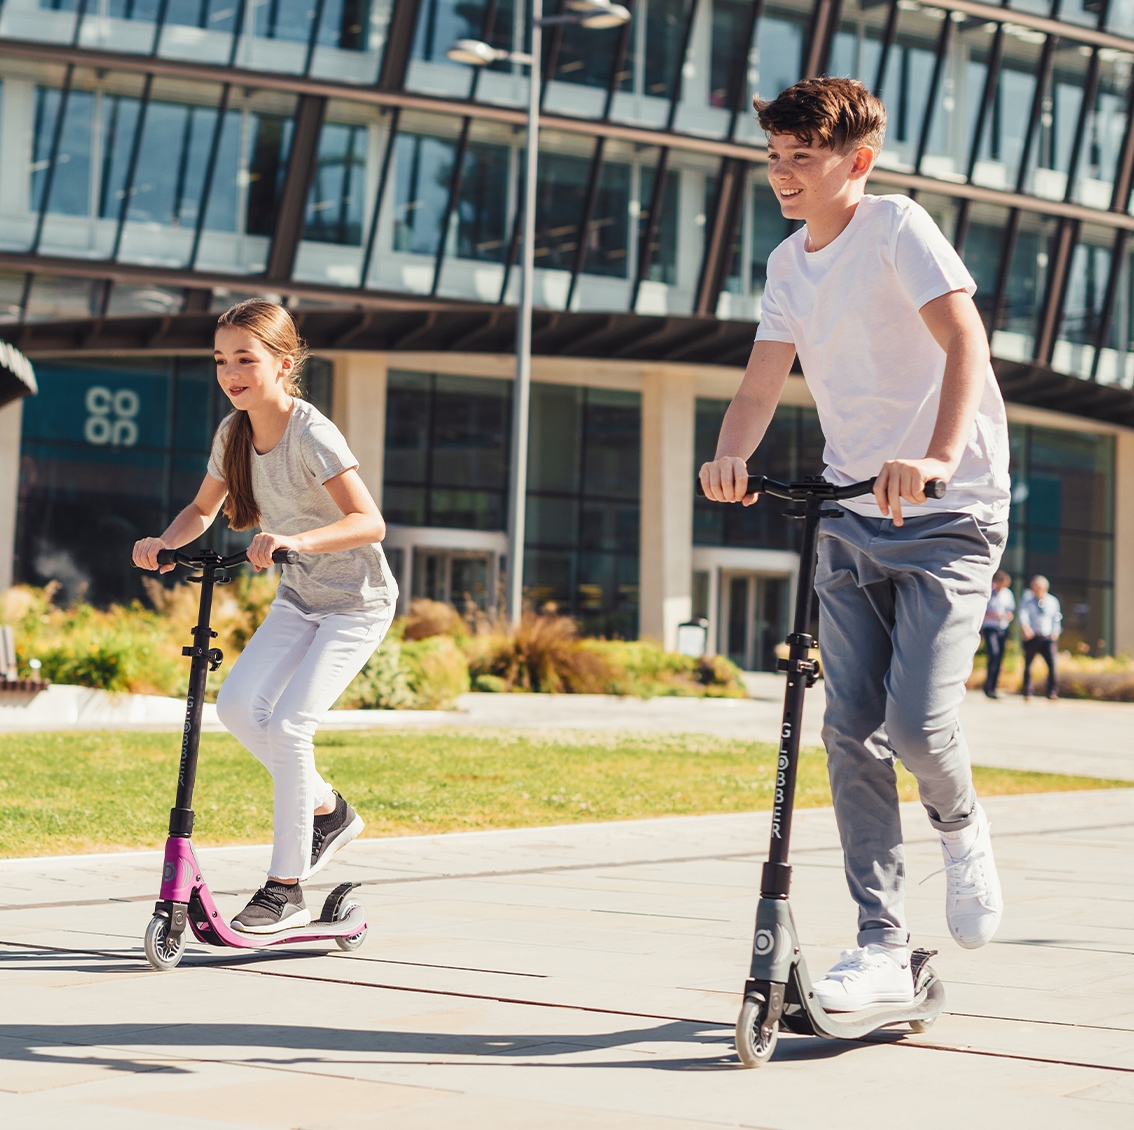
(775, 880)
(204, 658)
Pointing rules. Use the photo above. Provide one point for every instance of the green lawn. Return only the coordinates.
(67, 792)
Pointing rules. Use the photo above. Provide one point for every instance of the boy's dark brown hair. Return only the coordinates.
(832, 113)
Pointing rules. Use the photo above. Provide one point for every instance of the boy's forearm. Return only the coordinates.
(956, 326)
(754, 404)
(744, 425)
(966, 369)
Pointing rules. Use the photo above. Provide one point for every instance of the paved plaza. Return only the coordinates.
(590, 976)
(586, 976)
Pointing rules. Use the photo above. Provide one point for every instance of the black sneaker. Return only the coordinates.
(331, 832)
(273, 908)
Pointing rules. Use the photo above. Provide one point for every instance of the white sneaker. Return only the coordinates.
(974, 903)
(875, 974)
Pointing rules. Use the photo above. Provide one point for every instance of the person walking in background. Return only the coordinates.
(997, 617)
(1040, 623)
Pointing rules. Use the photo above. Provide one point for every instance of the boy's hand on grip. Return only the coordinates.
(905, 479)
(726, 480)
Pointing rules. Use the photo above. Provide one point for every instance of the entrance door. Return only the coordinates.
(753, 618)
(459, 577)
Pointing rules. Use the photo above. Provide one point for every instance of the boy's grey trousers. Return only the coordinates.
(900, 609)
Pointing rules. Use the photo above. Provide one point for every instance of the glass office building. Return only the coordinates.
(160, 159)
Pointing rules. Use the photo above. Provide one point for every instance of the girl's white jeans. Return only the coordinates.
(294, 668)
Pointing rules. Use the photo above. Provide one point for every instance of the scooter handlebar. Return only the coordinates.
(176, 557)
(801, 491)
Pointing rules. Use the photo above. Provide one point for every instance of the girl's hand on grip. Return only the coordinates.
(145, 554)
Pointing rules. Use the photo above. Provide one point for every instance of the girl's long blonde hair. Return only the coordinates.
(272, 325)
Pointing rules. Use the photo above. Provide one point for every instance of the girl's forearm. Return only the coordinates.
(349, 532)
(188, 526)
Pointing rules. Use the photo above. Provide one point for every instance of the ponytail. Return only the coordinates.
(272, 325)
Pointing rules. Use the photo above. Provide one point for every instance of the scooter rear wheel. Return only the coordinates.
(162, 953)
(754, 1050)
(354, 940)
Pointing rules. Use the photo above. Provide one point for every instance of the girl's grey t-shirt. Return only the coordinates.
(288, 485)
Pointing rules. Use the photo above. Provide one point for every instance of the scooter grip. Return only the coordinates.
(167, 556)
(284, 557)
(935, 488)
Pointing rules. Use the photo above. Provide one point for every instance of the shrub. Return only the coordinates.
(642, 668)
(428, 618)
(383, 684)
(543, 654)
(436, 672)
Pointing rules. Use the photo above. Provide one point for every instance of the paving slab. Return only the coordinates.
(582, 976)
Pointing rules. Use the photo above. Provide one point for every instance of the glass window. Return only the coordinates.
(481, 208)
(334, 201)
(71, 182)
(1063, 526)
(423, 168)
(171, 163)
(223, 205)
(587, 56)
(582, 511)
(608, 230)
(1083, 306)
(119, 124)
(440, 23)
(267, 170)
(665, 26)
(447, 447)
(769, 230)
(729, 46)
(663, 251)
(779, 53)
(560, 196)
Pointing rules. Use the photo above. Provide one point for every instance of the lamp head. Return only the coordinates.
(599, 14)
(474, 53)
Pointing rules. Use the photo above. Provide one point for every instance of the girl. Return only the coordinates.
(279, 464)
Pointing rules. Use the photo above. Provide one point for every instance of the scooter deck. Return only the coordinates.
(211, 928)
(812, 1020)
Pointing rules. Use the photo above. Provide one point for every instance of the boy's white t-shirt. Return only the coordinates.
(851, 309)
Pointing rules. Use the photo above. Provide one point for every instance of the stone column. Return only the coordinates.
(1124, 542)
(358, 408)
(10, 417)
(666, 546)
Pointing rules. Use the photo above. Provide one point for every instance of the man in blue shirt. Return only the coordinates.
(1040, 623)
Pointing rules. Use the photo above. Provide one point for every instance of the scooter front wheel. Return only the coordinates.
(354, 940)
(161, 951)
(752, 1047)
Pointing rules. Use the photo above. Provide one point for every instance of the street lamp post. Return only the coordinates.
(476, 53)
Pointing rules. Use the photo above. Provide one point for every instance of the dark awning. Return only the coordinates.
(437, 326)
(17, 377)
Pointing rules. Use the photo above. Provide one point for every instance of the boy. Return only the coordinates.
(878, 306)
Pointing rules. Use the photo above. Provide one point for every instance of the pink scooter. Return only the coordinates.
(185, 899)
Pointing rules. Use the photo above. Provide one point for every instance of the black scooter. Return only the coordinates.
(778, 990)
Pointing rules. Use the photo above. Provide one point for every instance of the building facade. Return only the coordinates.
(160, 159)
